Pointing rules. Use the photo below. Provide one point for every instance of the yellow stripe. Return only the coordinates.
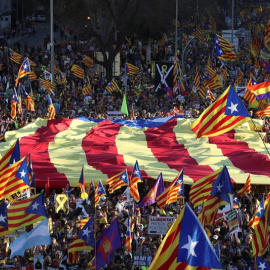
(69, 160)
(261, 91)
(132, 145)
(209, 154)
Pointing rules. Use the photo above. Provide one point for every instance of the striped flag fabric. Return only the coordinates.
(221, 194)
(214, 83)
(24, 213)
(32, 64)
(198, 33)
(78, 71)
(260, 239)
(223, 115)
(210, 95)
(14, 179)
(223, 43)
(185, 246)
(249, 96)
(81, 183)
(197, 79)
(129, 232)
(89, 62)
(86, 90)
(15, 57)
(14, 104)
(163, 197)
(202, 188)
(61, 78)
(134, 180)
(131, 69)
(84, 241)
(264, 112)
(32, 76)
(267, 36)
(24, 70)
(225, 54)
(246, 189)
(209, 70)
(28, 101)
(262, 104)
(118, 181)
(99, 192)
(11, 156)
(258, 214)
(260, 90)
(51, 108)
(47, 85)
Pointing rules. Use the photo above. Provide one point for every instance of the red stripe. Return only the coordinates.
(241, 156)
(101, 151)
(42, 164)
(163, 144)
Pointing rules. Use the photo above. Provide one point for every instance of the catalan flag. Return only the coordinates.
(117, 181)
(88, 61)
(24, 70)
(214, 83)
(61, 78)
(32, 76)
(32, 64)
(210, 95)
(15, 57)
(51, 108)
(198, 33)
(267, 36)
(223, 115)
(131, 69)
(47, 85)
(246, 189)
(84, 241)
(185, 246)
(223, 43)
(99, 192)
(81, 183)
(262, 104)
(14, 179)
(154, 192)
(260, 239)
(176, 191)
(225, 54)
(221, 194)
(264, 113)
(129, 233)
(260, 90)
(202, 188)
(24, 213)
(133, 183)
(11, 156)
(78, 71)
(14, 104)
(249, 96)
(162, 198)
(261, 264)
(86, 90)
(197, 79)
(29, 103)
(258, 214)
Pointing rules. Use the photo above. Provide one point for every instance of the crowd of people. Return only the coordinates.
(70, 102)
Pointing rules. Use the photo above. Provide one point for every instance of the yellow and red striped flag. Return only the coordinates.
(134, 180)
(198, 33)
(24, 70)
(131, 69)
(51, 108)
(214, 83)
(210, 72)
(32, 76)
(14, 179)
(223, 115)
(78, 71)
(89, 62)
(210, 95)
(15, 57)
(267, 36)
(197, 79)
(24, 213)
(86, 90)
(32, 64)
(246, 189)
(129, 233)
(47, 85)
(224, 43)
(99, 192)
(262, 104)
(11, 156)
(202, 188)
(264, 113)
(249, 96)
(118, 181)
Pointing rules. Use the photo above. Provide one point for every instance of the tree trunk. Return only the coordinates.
(109, 69)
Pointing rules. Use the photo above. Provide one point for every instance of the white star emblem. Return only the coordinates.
(179, 181)
(25, 66)
(220, 51)
(259, 209)
(233, 107)
(86, 232)
(262, 266)
(14, 161)
(2, 218)
(35, 206)
(219, 187)
(235, 199)
(136, 172)
(190, 246)
(23, 173)
(123, 177)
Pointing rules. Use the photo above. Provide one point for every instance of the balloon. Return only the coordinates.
(84, 195)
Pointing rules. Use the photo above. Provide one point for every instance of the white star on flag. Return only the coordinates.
(233, 107)
(2, 218)
(219, 187)
(23, 173)
(190, 246)
(262, 266)
(259, 209)
(35, 206)
(86, 232)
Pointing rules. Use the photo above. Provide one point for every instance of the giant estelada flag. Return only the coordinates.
(60, 147)
(163, 77)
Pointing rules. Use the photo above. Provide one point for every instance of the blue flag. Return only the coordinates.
(194, 246)
(3, 215)
(107, 243)
(261, 264)
(38, 236)
(37, 206)
(87, 233)
(15, 156)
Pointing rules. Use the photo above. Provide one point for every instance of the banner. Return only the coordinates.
(163, 77)
(159, 225)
